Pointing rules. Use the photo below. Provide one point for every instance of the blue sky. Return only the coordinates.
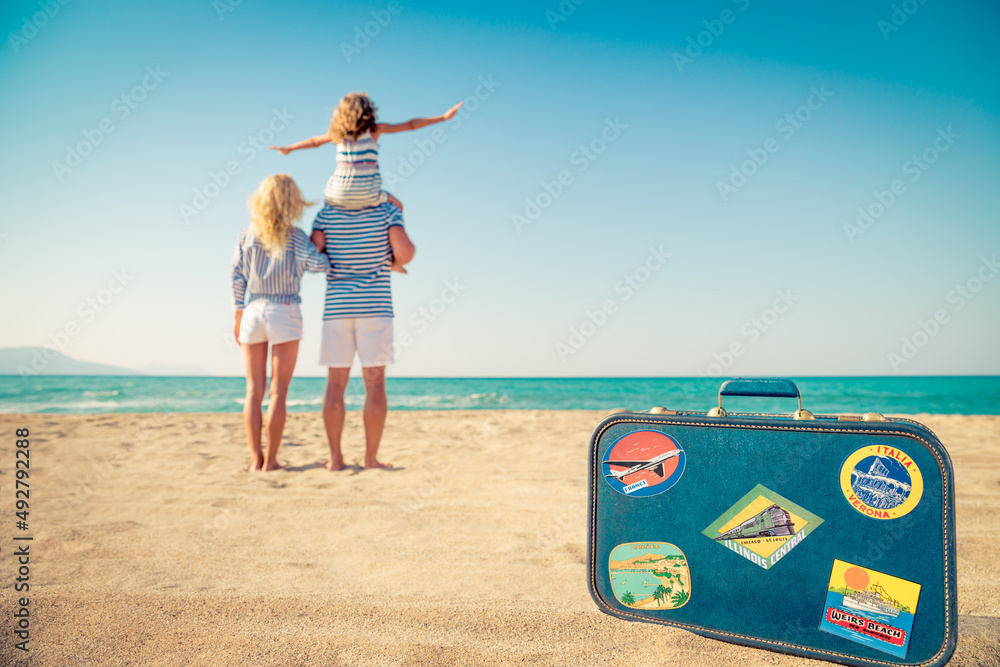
(652, 257)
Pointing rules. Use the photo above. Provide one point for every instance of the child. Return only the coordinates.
(270, 258)
(356, 183)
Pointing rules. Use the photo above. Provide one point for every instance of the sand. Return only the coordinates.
(151, 547)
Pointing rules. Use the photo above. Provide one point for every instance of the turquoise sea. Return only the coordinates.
(907, 395)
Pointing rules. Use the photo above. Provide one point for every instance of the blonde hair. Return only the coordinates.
(274, 208)
(354, 116)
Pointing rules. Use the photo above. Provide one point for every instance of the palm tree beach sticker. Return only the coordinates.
(643, 463)
(651, 576)
(881, 482)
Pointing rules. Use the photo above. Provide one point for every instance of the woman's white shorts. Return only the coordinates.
(274, 323)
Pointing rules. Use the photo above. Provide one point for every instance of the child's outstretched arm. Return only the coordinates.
(416, 123)
(311, 142)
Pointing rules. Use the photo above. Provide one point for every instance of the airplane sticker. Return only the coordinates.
(643, 463)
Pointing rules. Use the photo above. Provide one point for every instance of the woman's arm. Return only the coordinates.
(416, 123)
(239, 287)
(307, 254)
(311, 142)
(319, 240)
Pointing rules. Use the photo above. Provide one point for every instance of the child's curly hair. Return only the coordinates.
(354, 116)
(274, 208)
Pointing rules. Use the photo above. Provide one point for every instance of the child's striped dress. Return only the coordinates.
(356, 183)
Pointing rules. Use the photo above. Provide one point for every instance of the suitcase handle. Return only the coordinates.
(769, 387)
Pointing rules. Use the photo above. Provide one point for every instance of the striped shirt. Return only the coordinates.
(273, 277)
(356, 183)
(357, 242)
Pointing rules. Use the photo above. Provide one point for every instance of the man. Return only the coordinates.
(362, 245)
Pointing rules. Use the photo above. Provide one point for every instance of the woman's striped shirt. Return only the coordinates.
(274, 277)
(357, 242)
(356, 182)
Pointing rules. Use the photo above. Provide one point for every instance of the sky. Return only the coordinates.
(675, 189)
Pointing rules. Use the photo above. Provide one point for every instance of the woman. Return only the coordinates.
(270, 258)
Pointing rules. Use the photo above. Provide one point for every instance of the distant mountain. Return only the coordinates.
(47, 361)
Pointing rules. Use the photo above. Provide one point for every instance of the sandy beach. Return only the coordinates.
(152, 547)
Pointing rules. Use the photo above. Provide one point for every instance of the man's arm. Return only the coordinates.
(311, 142)
(416, 123)
(403, 249)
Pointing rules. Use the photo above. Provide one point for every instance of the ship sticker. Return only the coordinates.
(652, 576)
(881, 482)
(643, 463)
(763, 527)
(870, 608)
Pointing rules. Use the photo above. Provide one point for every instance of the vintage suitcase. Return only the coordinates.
(827, 536)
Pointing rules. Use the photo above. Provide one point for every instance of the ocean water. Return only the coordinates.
(907, 395)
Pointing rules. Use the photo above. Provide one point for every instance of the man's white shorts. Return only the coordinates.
(274, 323)
(370, 337)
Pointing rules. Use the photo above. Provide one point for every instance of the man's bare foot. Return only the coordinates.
(335, 463)
(378, 464)
(272, 465)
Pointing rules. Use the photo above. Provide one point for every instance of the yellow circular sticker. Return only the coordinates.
(881, 482)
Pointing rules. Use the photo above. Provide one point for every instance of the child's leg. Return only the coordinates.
(255, 360)
(283, 357)
(392, 199)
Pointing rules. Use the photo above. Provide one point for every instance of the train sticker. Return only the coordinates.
(870, 608)
(881, 482)
(763, 527)
(643, 463)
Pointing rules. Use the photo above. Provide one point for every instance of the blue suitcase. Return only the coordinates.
(826, 536)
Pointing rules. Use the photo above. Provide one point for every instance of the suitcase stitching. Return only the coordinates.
(945, 491)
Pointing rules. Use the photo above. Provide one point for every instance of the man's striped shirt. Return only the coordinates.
(357, 242)
(274, 277)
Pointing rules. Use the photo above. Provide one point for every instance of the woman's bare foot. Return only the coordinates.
(272, 465)
(378, 464)
(335, 463)
(255, 466)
